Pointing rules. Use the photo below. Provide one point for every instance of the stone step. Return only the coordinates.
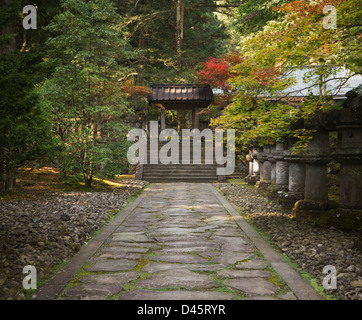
(181, 179)
(202, 147)
(180, 173)
(171, 179)
(192, 172)
(180, 168)
(175, 171)
(186, 165)
(180, 165)
(191, 154)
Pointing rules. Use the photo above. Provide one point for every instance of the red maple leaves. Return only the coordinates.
(216, 73)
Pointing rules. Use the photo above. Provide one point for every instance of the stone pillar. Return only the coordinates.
(251, 167)
(316, 157)
(349, 154)
(249, 158)
(282, 173)
(273, 173)
(316, 182)
(139, 171)
(350, 185)
(254, 169)
(260, 165)
(296, 174)
(267, 171)
(296, 180)
(265, 168)
(281, 168)
(256, 165)
(261, 169)
(271, 159)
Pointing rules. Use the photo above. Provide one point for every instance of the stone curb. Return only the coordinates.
(55, 285)
(300, 288)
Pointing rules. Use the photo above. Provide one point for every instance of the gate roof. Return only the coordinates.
(181, 96)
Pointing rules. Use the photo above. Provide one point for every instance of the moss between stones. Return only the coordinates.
(345, 219)
(276, 279)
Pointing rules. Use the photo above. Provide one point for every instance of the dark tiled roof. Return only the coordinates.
(180, 93)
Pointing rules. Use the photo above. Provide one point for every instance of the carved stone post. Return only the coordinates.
(316, 157)
(349, 154)
(254, 169)
(281, 168)
(296, 179)
(265, 168)
(273, 165)
(296, 175)
(256, 163)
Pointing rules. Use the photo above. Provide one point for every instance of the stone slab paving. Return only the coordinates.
(178, 241)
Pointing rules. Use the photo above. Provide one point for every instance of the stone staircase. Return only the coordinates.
(180, 172)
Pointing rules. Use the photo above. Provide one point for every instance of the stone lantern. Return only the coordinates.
(281, 168)
(296, 180)
(254, 165)
(315, 157)
(266, 167)
(349, 154)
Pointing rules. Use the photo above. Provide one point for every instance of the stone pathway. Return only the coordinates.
(177, 241)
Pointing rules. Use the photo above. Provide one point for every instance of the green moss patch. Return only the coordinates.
(344, 219)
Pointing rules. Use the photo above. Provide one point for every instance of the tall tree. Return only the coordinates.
(180, 15)
(174, 37)
(84, 93)
(25, 134)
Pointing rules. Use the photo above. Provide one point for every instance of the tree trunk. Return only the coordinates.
(88, 181)
(180, 13)
(141, 46)
(7, 176)
(2, 176)
(9, 29)
(10, 180)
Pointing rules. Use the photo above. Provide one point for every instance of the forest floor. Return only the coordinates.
(45, 222)
(41, 182)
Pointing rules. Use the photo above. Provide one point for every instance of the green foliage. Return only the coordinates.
(84, 94)
(260, 112)
(151, 29)
(254, 15)
(25, 128)
(24, 124)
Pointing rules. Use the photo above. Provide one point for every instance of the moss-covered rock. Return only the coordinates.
(311, 209)
(345, 219)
